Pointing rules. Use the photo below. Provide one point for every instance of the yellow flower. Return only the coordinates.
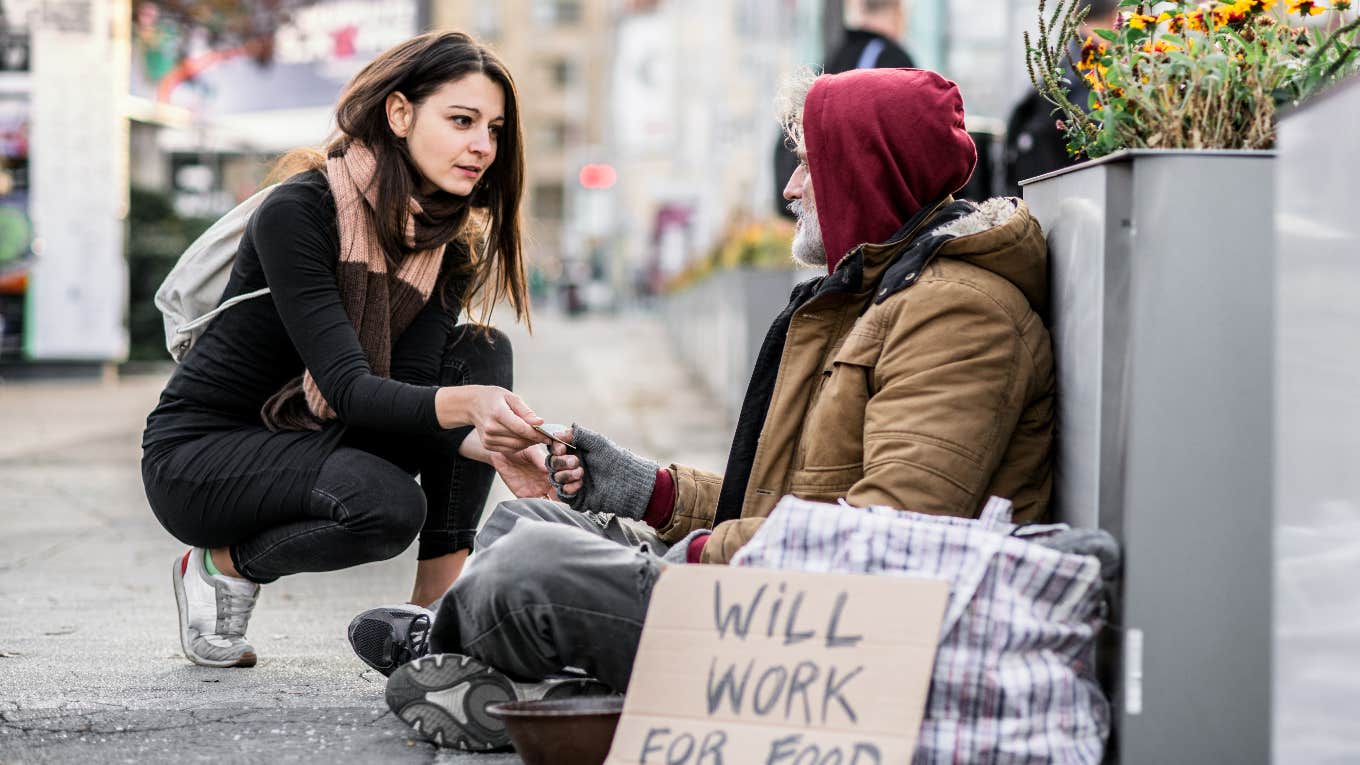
(1305, 7)
(1234, 15)
(1140, 21)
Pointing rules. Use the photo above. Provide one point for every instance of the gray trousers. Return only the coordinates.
(550, 588)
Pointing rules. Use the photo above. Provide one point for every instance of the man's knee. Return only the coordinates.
(507, 515)
(522, 567)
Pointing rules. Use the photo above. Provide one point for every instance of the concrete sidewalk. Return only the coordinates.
(90, 664)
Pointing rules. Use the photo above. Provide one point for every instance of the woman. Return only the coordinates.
(289, 438)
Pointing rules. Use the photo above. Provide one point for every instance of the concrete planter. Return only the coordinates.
(1317, 490)
(719, 324)
(1162, 291)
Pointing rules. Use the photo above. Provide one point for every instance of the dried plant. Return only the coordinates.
(1207, 76)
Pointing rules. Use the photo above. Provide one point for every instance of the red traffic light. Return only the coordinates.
(598, 176)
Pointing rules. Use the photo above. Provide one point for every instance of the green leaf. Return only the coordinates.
(1108, 34)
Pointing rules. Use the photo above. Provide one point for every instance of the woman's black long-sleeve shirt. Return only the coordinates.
(251, 350)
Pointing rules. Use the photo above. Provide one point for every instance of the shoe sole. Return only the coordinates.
(444, 697)
(246, 659)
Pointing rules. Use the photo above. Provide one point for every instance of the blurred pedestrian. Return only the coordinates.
(869, 42)
(915, 373)
(290, 437)
(1034, 144)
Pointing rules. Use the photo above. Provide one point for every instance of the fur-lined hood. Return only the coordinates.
(1002, 237)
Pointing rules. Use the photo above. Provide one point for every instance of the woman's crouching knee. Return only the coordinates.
(403, 517)
(376, 501)
(478, 355)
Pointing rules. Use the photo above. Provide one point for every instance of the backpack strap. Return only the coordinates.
(207, 317)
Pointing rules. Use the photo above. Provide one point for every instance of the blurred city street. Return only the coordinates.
(1137, 217)
(90, 663)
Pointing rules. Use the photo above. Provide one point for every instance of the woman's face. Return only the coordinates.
(452, 134)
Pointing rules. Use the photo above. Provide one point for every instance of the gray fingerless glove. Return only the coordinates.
(616, 480)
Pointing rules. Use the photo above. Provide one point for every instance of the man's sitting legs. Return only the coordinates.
(549, 588)
(560, 591)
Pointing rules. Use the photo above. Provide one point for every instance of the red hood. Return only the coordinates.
(882, 144)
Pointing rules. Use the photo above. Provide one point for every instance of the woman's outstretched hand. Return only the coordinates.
(502, 420)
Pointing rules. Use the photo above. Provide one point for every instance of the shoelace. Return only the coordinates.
(417, 639)
(238, 608)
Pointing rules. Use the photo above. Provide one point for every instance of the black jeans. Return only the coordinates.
(365, 504)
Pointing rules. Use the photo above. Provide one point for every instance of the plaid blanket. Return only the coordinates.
(1014, 677)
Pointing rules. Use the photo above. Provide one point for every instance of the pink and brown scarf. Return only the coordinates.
(380, 303)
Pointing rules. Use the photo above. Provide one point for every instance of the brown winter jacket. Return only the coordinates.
(936, 397)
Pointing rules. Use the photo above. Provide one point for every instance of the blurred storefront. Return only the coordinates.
(16, 224)
(63, 187)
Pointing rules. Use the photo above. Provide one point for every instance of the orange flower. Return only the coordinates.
(1196, 22)
(1174, 23)
(1160, 46)
(1305, 7)
(1092, 51)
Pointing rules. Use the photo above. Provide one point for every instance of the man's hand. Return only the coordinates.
(601, 476)
(567, 470)
(525, 472)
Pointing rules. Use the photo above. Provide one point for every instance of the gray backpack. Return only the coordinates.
(188, 296)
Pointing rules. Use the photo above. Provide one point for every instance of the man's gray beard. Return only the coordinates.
(808, 249)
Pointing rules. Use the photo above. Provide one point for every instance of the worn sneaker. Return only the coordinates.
(213, 613)
(444, 697)
(389, 636)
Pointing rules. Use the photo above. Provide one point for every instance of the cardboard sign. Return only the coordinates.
(743, 665)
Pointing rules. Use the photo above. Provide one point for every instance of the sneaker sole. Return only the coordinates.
(246, 659)
(444, 697)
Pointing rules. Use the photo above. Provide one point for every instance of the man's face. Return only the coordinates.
(807, 238)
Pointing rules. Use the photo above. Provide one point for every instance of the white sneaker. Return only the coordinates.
(213, 613)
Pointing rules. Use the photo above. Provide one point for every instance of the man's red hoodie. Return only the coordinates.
(881, 145)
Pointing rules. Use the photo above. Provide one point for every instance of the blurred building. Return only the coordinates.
(693, 121)
(649, 124)
(558, 52)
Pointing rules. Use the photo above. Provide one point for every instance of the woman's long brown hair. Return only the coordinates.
(485, 224)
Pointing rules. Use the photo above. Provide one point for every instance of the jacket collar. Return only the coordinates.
(865, 264)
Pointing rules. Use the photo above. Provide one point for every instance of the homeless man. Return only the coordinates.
(917, 373)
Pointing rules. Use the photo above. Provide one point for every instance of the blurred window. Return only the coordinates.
(549, 201)
(487, 22)
(561, 71)
(552, 133)
(557, 12)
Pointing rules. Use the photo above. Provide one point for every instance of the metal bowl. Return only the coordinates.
(570, 731)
